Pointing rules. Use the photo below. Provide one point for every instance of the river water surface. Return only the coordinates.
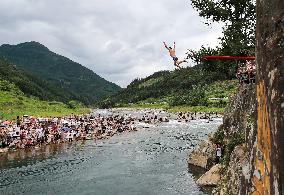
(149, 161)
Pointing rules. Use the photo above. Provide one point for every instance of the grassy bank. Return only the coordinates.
(175, 109)
(14, 103)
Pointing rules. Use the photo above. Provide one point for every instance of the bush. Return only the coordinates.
(73, 104)
(218, 137)
(237, 139)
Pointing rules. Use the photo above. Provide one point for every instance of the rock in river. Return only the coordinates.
(204, 155)
(211, 177)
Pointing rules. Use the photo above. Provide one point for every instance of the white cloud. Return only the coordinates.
(118, 39)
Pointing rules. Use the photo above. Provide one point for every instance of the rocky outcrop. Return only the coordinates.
(204, 155)
(211, 177)
(236, 136)
(268, 177)
(255, 117)
(239, 130)
(239, 133)
(231, 178)
(261, 171)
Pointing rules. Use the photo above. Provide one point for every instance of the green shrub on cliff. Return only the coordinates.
(237, 139)
(228, 144)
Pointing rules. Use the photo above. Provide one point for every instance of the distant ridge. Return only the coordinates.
(58, 70)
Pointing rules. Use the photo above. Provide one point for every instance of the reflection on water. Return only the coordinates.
(150, 161)
(27, 156)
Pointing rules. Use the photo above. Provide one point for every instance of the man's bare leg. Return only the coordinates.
(178, 63)
(178, 66)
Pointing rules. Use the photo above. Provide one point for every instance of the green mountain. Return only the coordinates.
(31, 85)
(22, 93)
(60, 71)
(191, 86)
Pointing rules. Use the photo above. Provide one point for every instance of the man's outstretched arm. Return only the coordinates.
(166, 45)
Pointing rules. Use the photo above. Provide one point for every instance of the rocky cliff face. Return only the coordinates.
(239, 130)
(268, 176)
(252, 135)
(237, 137)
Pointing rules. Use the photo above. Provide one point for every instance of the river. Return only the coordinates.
(149, 161)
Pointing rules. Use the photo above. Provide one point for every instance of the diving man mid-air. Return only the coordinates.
(172, 52)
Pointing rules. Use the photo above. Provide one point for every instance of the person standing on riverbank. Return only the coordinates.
(18, 121)
(218, 153)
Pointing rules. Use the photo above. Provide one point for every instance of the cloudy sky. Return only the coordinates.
(118, 39)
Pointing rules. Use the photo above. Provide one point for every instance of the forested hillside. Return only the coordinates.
(191, 86)
(60, 71)
(31, 85)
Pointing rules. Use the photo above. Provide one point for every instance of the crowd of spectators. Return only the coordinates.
(246, 72)
(30, 131)
(190, 116)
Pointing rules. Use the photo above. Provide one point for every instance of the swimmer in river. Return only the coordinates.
(172, 52)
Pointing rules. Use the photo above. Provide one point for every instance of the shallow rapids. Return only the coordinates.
(149, 161)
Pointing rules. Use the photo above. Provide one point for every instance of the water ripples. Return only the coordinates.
(149, 161)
